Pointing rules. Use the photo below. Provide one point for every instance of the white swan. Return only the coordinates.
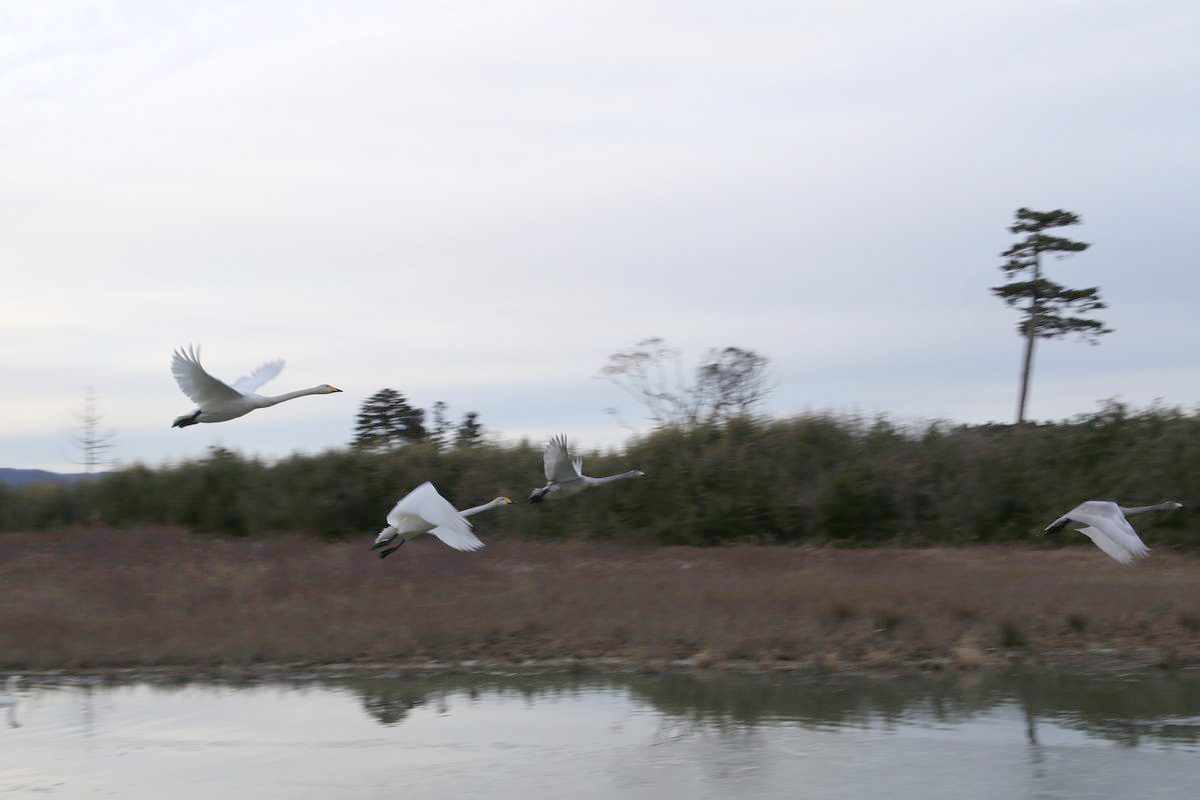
(1104, 523)
(423, 510)
(565, 474)
(9, 698)
(217, 400)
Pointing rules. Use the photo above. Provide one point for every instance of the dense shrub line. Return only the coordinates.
(817, 478)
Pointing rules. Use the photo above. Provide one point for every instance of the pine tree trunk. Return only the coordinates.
(1030, 335)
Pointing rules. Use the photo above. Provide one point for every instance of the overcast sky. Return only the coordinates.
(477, 202)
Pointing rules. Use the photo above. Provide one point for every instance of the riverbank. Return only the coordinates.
(162, 599)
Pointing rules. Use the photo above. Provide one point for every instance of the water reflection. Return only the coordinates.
(1162, 708)
(597, 736)
(8, 699)
(389, 701)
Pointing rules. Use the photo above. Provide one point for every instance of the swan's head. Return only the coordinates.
(1175, 506)
(385, 536)
(328, 389)
(502, 501)
(638, 473)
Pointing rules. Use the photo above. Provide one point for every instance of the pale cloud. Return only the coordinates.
(478, 202)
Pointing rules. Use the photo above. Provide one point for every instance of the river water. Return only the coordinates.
(1033, 735)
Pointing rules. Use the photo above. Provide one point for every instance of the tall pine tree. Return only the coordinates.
(1045, 305)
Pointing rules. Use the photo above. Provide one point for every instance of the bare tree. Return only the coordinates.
(732, 381)
(727, 382)
(93, 441)
(652, 373)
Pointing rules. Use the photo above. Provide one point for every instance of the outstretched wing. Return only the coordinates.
(202, 388)
(1108, 545)
(557, 462)
(1108, 528)
(459, 540)
(448, 525)
(1058, 524)
(248, 384)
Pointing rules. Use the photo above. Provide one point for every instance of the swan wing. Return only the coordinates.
(1085, 513)
(248, 384)
(1108, 545)
(203, 389)
(1106, 525)
(458, 539)
(557, 462)
(448, 525)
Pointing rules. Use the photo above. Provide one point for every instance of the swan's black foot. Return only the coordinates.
(187, 419)
(388, 552)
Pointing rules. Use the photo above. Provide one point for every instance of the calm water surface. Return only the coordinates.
(657, 736)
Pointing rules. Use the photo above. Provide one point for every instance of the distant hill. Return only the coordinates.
(26, 477)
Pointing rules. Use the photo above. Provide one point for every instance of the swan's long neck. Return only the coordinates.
(1166, 506)
(466, 512)
(633, 473)
(279, 398)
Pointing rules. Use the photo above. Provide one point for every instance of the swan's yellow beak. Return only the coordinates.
(507, 500)
(333, 389)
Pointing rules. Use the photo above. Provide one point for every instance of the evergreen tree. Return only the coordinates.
(470, 431)
(439, 433)
(386, 420)
(1045, 304)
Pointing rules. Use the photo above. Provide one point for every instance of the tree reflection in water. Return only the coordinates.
(1163, 708)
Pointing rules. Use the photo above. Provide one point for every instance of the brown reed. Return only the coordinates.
(98, 597)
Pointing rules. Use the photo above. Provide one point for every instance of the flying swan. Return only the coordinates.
(565, 474)
(217, 400)
(1104, 523)
(423, 510)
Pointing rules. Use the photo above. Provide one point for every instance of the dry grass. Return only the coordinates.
(968, 654)
(104, 598)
